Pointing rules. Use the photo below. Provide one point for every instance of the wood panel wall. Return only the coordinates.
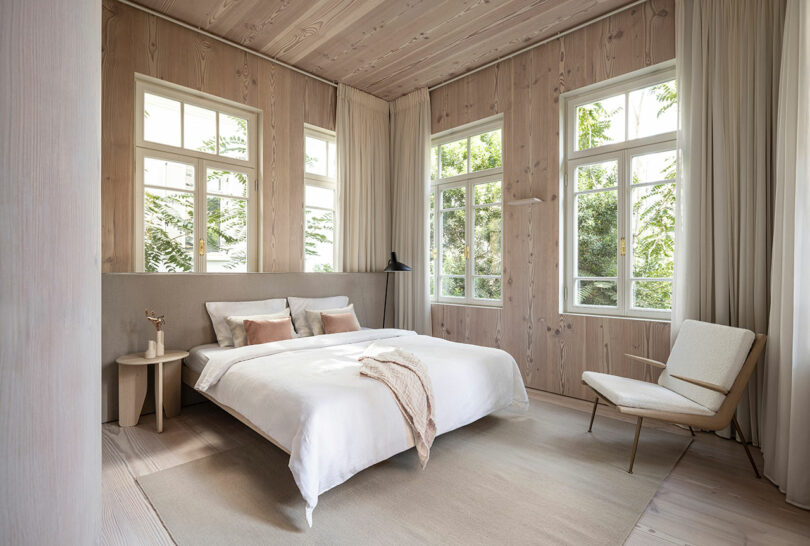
(50, 282)
(134, 41)
(552, 349)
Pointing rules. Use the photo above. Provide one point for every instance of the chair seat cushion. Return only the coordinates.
(633, 393)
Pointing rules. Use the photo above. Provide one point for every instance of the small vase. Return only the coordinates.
(159, 349)
(151, 349)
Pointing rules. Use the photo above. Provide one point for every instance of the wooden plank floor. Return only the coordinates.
(711, 497)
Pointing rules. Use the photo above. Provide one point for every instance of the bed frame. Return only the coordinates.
(190, 378)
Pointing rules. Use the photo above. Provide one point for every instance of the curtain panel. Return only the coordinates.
(363, 186)
(410, 177)
(728, 55)
(785, 431)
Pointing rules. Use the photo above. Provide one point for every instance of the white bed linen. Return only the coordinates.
(308, 395)
(198, 356)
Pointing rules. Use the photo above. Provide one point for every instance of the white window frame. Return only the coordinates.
(468, 180)
(623, 153)
(321, 181)
(201, 161)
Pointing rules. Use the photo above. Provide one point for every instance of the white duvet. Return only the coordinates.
(308, 395)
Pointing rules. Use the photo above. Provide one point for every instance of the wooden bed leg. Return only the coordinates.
(593, 413)
(635, 445)
(692, 431)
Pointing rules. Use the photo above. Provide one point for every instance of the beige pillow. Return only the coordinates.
(339, 322)
(236, 324)
(268, 331)
(314, 317)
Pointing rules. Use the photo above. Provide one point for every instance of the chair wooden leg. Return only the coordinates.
(593, 413)
(692, 431)
(745, 445)
(635, 445)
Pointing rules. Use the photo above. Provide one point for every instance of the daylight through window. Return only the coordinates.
(620, 171)
(466, 215)
(320, 166)
(196, 181)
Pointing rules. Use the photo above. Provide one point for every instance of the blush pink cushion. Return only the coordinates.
(266, 331)
(341, 322)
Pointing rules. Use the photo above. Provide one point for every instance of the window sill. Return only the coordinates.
(474, 305)
(623, 317)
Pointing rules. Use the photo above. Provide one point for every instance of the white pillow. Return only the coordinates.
(237, 325)
(220, 310)
(315, 322)
(299, 305)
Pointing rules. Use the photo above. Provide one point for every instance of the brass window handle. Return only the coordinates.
(622, 247)
(202, 247)
(467, 252)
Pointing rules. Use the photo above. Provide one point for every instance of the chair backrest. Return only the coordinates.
(706, 352)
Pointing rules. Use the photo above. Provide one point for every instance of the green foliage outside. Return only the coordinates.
(597, 230)
(319, 230)
(169, 218)
(485, 249)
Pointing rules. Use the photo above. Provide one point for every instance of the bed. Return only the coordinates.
(306, 396)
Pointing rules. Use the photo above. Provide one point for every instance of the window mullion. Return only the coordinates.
(471, 252)
(200, 216)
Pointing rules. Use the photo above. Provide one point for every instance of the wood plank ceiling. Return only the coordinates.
(385, 47)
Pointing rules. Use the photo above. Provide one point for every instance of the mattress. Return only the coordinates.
(198, 356)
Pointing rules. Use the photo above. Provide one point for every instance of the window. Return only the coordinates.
(619, 177)
(196, 182)
(320, 172)
(466, 215)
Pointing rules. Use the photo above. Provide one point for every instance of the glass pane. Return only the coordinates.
(168, 230)
(453, 286)
(453, 243)
(654, 230)
(434, 163)
(597, 175)
(161, 120)
(487, 193)
(652, 295)
(487, 244)
(332, 171)
(227, 182)
(200, 129)
(597, 238)
(315, 156)
(654, 167)
(454, 158)
(233, 137)
(319, 237)
(226, 234)
(600, 123)
(485, 151)
(596, 293)
(454, 197)
(167, 174)
(315, 196)
(653, 110)
(487, 288)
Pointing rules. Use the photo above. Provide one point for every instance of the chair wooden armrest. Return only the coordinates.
(649, 361)
(710, 386)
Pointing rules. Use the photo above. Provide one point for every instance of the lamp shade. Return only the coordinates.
(394, 265)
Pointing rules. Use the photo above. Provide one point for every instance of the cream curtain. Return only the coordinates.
(786, 431)
(410, 176)
(728, 55)
(364, 197)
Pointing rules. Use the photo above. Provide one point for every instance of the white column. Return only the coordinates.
(50, 281)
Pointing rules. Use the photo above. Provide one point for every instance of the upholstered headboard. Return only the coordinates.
(181, 298)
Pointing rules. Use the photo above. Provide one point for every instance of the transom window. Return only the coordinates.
(619, 178)
(196, 182)
(466, 214)
(320, 172)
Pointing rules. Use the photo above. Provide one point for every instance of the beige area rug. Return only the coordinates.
(536, 478)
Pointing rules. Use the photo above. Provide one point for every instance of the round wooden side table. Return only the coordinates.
(132, 370)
